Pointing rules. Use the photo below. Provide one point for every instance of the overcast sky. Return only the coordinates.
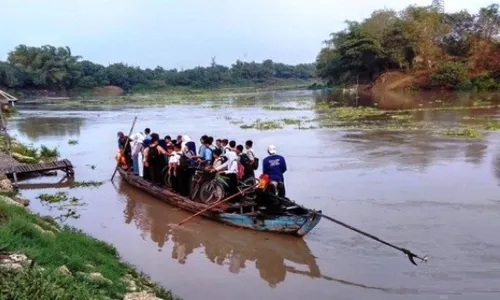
(187, 33)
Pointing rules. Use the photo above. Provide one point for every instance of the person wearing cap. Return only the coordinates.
(274, 166)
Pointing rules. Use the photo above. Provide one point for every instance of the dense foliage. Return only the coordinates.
(455, 47)
(50, 67)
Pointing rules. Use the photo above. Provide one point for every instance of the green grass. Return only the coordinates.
(46, 152)
(69, 247)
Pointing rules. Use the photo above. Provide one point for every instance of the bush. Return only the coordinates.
(449, 75)
(465, 85)
(484, 82)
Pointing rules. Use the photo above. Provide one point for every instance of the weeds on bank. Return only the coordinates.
(18, 234)
(33, 154)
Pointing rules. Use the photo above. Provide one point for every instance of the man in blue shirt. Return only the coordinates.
(147, 138)
(274, 166)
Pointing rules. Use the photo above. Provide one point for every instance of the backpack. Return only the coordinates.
(241, 171)
(255, 165)
(211, 155)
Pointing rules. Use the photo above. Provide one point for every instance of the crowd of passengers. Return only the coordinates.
(178, 158)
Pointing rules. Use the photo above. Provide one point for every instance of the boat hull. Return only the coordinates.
(298, 225)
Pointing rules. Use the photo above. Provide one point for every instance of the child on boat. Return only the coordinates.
(175, 156)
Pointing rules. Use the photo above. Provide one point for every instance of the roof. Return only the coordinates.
(6, 97)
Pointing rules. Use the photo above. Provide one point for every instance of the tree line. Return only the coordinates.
(454, 50)
(49, 67)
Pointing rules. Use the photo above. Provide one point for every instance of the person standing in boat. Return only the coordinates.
(248, 171)
(274, 166)
(154, 159)
(124, 145)
(137, 148)
(147, 137)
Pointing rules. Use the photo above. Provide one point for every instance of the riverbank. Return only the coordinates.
(40, 257)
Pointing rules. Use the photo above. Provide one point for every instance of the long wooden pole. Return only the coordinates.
(217, 203)
(125, 146)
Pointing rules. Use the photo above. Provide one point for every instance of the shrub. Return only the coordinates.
(465, 85)
(449, 75)
(484, 82)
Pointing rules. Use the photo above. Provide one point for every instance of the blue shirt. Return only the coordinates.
(201, 151)
(274, 166)
(162, 144)
(207, 155)
(147, 141)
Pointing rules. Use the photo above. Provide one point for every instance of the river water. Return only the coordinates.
(432, 194)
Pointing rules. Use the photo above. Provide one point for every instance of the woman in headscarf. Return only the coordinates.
(137, 148)
(188, 146)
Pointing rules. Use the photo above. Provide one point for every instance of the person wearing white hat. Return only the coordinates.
(274, 166)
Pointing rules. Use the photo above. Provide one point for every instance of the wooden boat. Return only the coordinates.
(290, 219)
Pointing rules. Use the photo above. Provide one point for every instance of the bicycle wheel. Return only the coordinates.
(211, 192)
(249, 195)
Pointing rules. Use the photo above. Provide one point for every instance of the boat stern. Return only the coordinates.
(312, 221)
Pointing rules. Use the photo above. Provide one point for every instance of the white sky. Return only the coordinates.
(186, 33)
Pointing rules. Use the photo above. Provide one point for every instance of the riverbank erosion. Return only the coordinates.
(40, 257)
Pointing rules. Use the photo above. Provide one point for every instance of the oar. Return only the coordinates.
(121, 152)
(217, 203)
(411, 255)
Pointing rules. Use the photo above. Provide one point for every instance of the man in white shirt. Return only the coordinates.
(230, 169)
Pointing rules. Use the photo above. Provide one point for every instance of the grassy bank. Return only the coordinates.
(27, 153)
(62, 262)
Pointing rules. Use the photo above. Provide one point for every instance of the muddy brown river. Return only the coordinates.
(430, 193)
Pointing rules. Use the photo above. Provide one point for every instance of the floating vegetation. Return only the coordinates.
(280, 108)
(62, 202)
(356, 113)
(402, 117)
(262, 125)
(469, 132)
(54, 198)
(323, 105)
(492, 125)
(92, 167)
(91, 183)
(72, 142)
(289, 121)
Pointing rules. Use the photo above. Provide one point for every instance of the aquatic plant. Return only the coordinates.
(356, 113)
(91, 183)
(54, 198)
(262, 125)
(72, 142)
(280, 108)
(492, 125)
(289, 121)
(469, 132)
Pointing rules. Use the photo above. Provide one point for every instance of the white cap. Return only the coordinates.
(271, 149)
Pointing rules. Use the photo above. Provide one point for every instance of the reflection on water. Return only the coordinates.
(392, 100)
(273, 256)
(39, 127)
